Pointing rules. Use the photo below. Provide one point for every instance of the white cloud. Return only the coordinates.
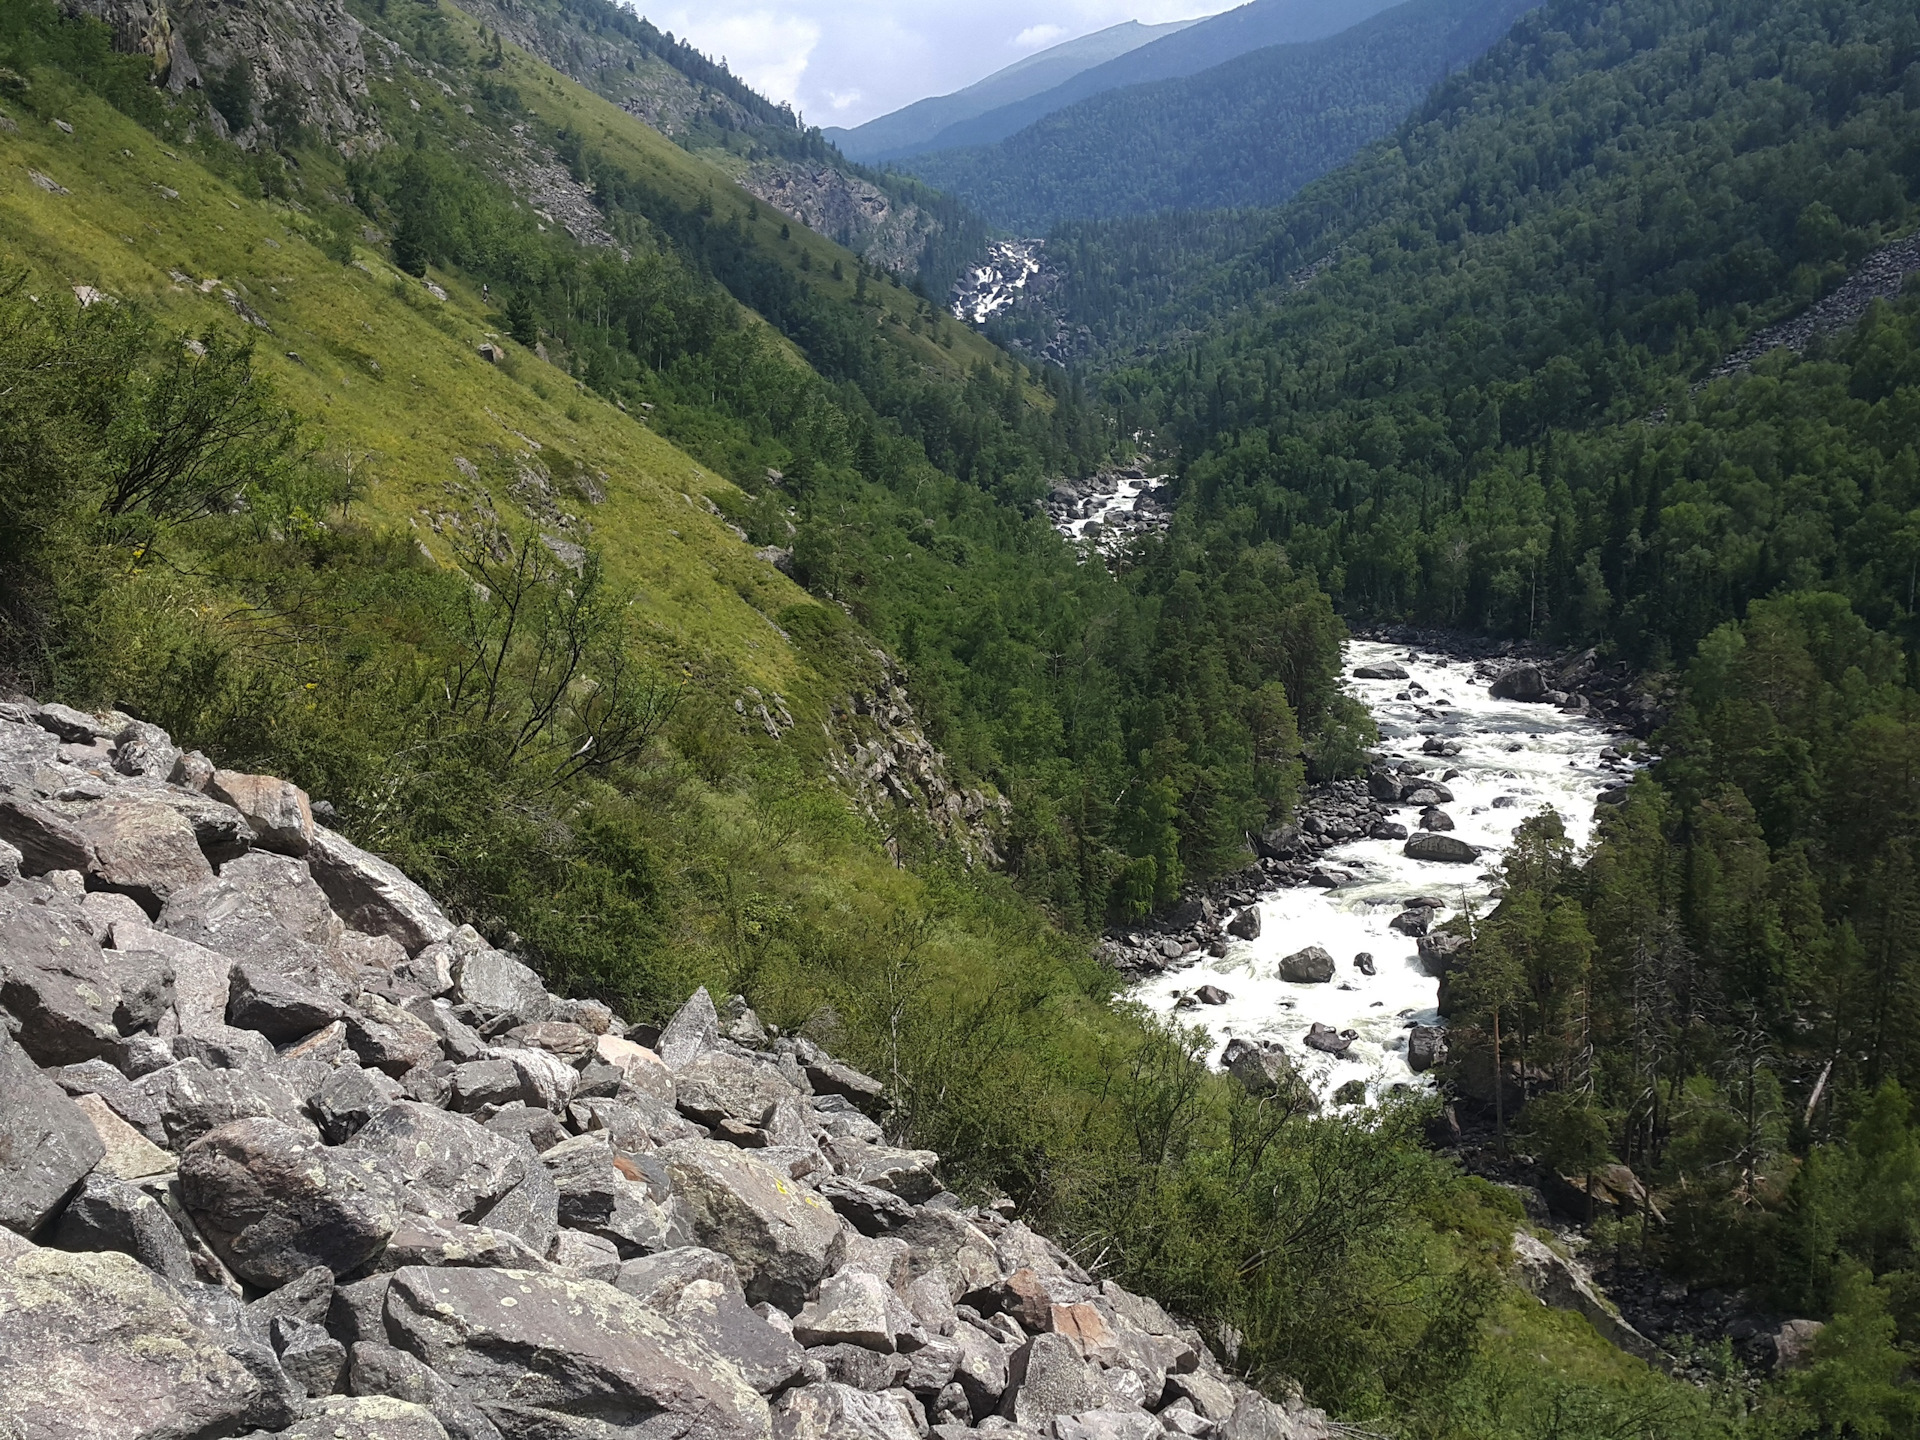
(851, 60)
(1035, 36)
(768, 49)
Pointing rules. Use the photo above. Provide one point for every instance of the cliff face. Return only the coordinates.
(861, 216)
(262, 62)
(283, 1150)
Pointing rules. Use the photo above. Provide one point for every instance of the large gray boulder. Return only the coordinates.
(566, 1345)
(1565, 1285)
(1049, 1377)
(780, 1235)
(446, 1165)
(716, 1086)
(54, 981)
(46, 839)
(1385, 670)
(693, 1030)
(261, 997)
(47, 1145)
(599, 1194)
(95, 1347)
(1426, 1047)
(194, 1098)
(1522, 682)
(1445, 849)
(494, 983)
(375, 1368)
(372, 895)
(370, 1417)
(840, 1412)
(142, 846)
(387, 1038)
(145, 752)
(274, 1202)
(1311, 966)
(277, 810)
(110, 1214)
(700, 1290)
(945, 1243)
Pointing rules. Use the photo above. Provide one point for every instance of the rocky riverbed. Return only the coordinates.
(286, 1151)
(1107, 511)
(1322, 960)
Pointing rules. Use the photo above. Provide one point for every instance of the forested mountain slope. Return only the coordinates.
(1204, 44)
(908, 129)
(1246, 133)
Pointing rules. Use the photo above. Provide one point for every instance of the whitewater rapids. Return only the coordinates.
(1534, 755)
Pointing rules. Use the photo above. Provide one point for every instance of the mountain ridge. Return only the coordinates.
(903, 131)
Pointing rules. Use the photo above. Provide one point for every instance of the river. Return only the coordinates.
(1514, 761)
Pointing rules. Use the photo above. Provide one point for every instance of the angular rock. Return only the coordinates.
(387, 1038)
(539, 1129)
(373, 1417)
(570, 1042)
(128, 1101)
(716, 1086)
(273, 1202)
(277, 810)
(946, 1244)
(348, 1098)
(194, 1098)
(1565, 1285)
(446, 1165)
(490, 1081)
(313, 1359)
(1047, 1377)
(1246, 925)
(142, 847)
(1261, 1069)
(1386, 670)
(530, 1210)
(567, 1345)
(96, 1347)
(1444, 849)
(438, 1244)
(701, 1290)
(223, 1047)
(1311, 966)
(852, 1308)
(693, 1030)
(108, 1214)
(145, 751)
(781, 1236)
(284, 1010)
(306, 1297)
(546, 1080)
(1426, 1047)
(129, 1154)
(600, 1197)
(910, 1174)
(1107, 1424)
(55, 982)
(372, 895)
(840, 1412)
(640, 1068)
(871, 1210)
(375, 1368)
(828, 1076)
(46, 839)
(587, 1256)
(47, 1144)
(859, 1367)
(494, 983)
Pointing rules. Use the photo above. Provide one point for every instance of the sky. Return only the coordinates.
(843, 62)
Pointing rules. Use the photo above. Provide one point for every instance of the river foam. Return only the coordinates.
(1533, 756)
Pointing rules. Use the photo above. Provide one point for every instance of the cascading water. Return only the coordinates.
(1514, 760)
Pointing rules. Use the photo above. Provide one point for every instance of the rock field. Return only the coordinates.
(283, 1150)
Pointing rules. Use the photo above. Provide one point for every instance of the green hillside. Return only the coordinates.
(1249, 132)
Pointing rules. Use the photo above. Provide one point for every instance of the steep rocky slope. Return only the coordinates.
(285, 1151)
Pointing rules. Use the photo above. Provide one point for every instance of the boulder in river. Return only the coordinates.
(1329, 1040)
(1386, 671)
(1435, 819)
(1522, 682)
(1311, 966)
(1387, 830)
(1444, 849)
(1363, 962)
(1211, 995)
(1426, 1047)
(1412, 922)
(1246, 925)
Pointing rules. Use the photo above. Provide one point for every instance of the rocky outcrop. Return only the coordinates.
(303, 60)
(214, 1224)
(1564, 1284)
(884, 761)
(881, 229)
